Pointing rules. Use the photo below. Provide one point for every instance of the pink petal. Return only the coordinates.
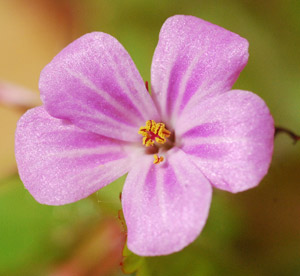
(17, 96)
(230, 138)
(60, 163)
(94, 83)
(194, 59)
(165, 205)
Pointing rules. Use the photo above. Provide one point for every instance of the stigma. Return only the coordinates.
(154, 132)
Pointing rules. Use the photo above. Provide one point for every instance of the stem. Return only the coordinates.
(293, 135)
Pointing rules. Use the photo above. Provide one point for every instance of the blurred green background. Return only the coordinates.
(256, 232)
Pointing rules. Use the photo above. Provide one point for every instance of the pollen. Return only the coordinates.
(157, 159)
(154, 132)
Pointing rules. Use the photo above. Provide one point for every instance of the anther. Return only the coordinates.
(154, 132)
(158, 159)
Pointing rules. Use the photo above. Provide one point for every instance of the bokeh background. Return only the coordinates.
(256, 232)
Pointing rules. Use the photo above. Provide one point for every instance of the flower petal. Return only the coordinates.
(60, 163)
(16, 96)
(94, 83)
(230, 138)
(194, 59)
(166, 205)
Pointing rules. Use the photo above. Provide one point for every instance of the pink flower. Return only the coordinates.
(99, 122)
(16, 96)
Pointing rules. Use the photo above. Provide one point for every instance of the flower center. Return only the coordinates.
(154, 132)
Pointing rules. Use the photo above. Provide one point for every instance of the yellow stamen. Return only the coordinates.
(157, 159)
(154, 132)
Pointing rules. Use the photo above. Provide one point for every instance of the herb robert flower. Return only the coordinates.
(192, 133)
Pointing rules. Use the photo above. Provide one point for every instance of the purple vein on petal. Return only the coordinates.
(104, 95)
(162, 195)
(135, 91)
(171, 186)
(91, 156)
(90, 177)
(107, 124)
(208, 151)
(176, 74)
(150, 183)
(205, 130)
(186, 86)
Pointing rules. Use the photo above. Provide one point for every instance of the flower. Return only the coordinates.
(99, 122)
(18, 97)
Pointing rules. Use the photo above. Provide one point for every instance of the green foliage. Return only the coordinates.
(33, 235)
(132, 263)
